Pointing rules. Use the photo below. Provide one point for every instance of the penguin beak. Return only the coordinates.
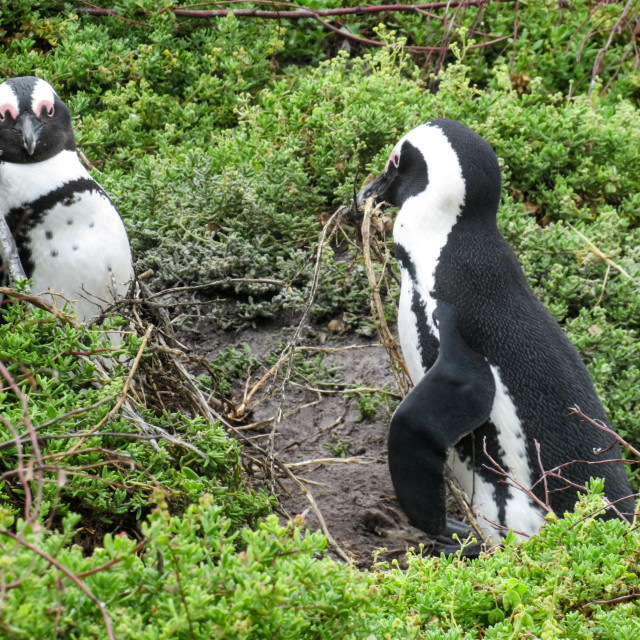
(29, 127)
(374, 189)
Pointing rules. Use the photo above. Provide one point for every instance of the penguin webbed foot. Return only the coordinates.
(453, 540)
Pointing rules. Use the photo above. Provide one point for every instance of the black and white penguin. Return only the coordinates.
(488, 361)
(69, 235)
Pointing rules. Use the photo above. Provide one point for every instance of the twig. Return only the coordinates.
(328, 228)
(601, 255)
(542, 470)
(181, 589)
(125, 389)
(349, 391)
(604, 286)
(288, 414)
(512, 482)
(299, 482)
(108, 565)
(316, 511)
(34, 443)
(299, 13)
(48, 423)
(600, 56)
(345, 348)
(634, 595)
(40, 303)
(377, 309)
(213, 284)
(575, 410)
(338, 421)
(95, 10)
(352, 460)
(242, 409)
(305, 13)
(462, 501)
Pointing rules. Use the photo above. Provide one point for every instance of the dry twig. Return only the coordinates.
(377, 309)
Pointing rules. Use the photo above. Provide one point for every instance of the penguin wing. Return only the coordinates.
(454, 398)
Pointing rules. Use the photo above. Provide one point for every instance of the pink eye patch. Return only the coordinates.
(44, 104)
(393, 158)
(8, 108)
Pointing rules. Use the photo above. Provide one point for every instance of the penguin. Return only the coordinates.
(70, 237)
(494, 374)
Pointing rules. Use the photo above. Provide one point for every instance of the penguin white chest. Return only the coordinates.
(420, 233)
(80, 249)
(518, 512)
(75, 239)
(419, 244)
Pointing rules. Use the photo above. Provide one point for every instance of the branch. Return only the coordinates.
(603, 427)
(318, 15)
(298, 13)
(24, 402)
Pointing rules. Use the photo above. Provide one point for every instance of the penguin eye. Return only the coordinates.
(394, 159)
(44, 108)
(8, 109)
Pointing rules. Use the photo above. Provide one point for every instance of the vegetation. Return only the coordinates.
(225, 144)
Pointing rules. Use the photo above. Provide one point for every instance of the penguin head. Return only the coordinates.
(35, 124)
(440, 168)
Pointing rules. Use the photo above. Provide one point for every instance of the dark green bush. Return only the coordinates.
(224, 154)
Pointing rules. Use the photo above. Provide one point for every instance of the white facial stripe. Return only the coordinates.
(426, 219)
(42, 93)
(8, 100)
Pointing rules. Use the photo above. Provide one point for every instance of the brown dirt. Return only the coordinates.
(352, 489)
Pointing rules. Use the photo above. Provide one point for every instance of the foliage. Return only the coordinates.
(558, 584)
(110, 474)
(224, 154)
(192, 581)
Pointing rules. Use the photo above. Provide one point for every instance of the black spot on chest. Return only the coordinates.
(23, 219)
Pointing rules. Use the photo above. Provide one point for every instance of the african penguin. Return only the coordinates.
(69, 235)
(488, 361)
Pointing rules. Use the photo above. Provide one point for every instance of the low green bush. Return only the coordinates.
(109, 475)
(224, 153)
(196, 578)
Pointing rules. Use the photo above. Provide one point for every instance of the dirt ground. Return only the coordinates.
(339, 456)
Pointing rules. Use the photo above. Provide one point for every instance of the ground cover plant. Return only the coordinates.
(226, 144)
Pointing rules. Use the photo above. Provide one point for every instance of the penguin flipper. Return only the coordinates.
(454, 398)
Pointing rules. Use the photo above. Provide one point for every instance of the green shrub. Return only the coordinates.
(191, 580)
(224, 155)
(109, 477)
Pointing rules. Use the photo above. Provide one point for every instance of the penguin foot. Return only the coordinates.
(378, 522)
(446, 543)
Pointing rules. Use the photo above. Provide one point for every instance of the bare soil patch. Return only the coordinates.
(336, 452)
